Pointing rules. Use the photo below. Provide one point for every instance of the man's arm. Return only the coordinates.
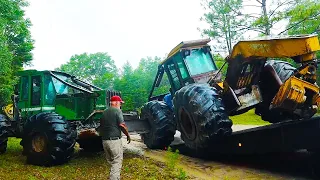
(101, 121)
(123, 126)
(124, 129)
(98, 129)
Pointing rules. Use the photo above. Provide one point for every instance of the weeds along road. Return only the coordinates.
(299, 165)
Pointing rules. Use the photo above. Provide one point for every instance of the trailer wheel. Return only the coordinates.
(162, 125)
(270, 86)
(48, 139)
(201, 115)
(3, 134)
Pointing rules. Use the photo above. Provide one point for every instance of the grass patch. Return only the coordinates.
(172, 161)
(248, 118)
(82, 166)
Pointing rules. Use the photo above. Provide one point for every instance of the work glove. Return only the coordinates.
(128, 139)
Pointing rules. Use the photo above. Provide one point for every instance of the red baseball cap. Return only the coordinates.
(116, 98)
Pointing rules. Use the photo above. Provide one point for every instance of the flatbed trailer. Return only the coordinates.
(287, 136)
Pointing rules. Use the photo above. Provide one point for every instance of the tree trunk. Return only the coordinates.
(229, 37)
(265, 17)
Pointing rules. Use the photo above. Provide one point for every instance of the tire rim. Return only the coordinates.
(38, 143)
(187, 124)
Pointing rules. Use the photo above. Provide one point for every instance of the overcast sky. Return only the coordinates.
(128, 30)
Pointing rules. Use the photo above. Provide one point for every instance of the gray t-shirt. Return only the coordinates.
(111, 119)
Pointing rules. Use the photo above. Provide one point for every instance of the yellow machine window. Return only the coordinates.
(183, 69)
(199, 62)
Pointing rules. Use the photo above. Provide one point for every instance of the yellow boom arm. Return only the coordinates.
(289, 46)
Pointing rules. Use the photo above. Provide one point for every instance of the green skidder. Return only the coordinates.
(50, 112)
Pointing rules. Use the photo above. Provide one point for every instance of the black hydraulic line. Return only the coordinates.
(64, 82)
(217, 72)
(74, 79)
(85, 83)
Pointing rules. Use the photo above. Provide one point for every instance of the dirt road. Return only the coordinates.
(275, 166)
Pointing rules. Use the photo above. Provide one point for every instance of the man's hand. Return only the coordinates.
(124, 129)
(128, 139)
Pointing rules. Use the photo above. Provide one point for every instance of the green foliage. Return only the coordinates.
(172, 158)
(16, 32)
(272, 12)
(172, 161)
(97, 68)
(228, 20)
(16, 44)
(135, 85)
(5, 74)
(219, 61)
(224, 20)
(248, 118)
(304, 18)
(100, 70)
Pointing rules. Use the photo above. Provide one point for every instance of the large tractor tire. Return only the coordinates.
(3, 134)
(201, 115)
(269, 86)
(48, 139)
(283, 69)
(162, 125)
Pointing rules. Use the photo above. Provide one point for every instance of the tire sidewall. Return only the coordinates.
(206, 112)
(3, 133)
(284, 70)
(147, 115)
(59, 137)
(159, 115)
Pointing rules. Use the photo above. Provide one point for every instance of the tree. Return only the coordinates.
(270, 15)
(225, 21)
(229, 19)
(6, 82)
(15, 28)
(16, 44)
(122, 84)
(98, 68)
(135, 85)
(304, 18)
(219, 61)
(145, 74)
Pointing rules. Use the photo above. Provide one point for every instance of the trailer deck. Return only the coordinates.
(285, 136)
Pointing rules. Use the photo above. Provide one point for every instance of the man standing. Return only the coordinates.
(111, 125)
